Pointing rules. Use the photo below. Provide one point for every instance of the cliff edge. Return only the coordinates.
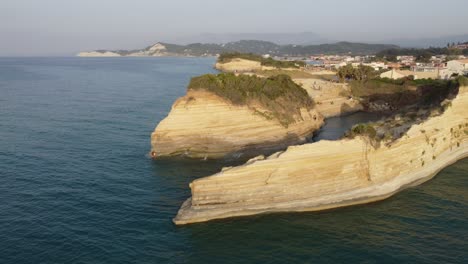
(224, 116)
(330, 174)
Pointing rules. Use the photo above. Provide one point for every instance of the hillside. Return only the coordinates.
(247, 46)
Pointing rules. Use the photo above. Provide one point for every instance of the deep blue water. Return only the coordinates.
(76, 185)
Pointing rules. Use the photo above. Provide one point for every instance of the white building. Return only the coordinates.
(377, 65)
(445, 74)
(458, 66)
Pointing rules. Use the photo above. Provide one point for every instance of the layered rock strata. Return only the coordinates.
(204, 125)
(332, 99)
(330, 174)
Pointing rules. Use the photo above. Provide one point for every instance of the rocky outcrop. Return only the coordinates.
(330, 174)
(332, 99)
(204, 125)
(240, 65)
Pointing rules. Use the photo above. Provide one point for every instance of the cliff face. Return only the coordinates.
(332, 99)
(239, 65)
(330, 174)
(204, 125)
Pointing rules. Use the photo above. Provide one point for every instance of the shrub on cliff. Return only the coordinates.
(227, 57)
(462, 80)
(406, 91)
(361, 73)
(363, 130)
(278, 95)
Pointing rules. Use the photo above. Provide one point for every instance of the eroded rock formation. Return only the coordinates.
(330, 174)
(204, 125)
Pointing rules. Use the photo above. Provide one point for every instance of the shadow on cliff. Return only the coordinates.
(236, 157)
(408, 108)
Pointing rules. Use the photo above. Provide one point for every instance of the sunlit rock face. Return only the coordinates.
(204, 125)
(330, 174)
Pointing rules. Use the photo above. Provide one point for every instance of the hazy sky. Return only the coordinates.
(64, 27)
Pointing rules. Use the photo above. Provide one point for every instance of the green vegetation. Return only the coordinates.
(375, 86)
(335, 48)
(361, 73)
(278, 96)
(366, 129)
(462, 80)
(407, 91)
(227, 57)
(266, 47)
(414, 101)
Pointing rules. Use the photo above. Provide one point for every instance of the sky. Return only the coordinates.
(65, 27)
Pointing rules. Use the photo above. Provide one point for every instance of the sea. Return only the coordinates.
(77, 184)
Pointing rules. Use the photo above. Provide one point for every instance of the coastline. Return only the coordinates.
(204, 125)
(331, 174)
(368, 195)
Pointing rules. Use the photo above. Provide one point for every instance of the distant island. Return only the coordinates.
(161, 49)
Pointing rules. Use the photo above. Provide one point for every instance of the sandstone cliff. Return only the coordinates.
(330, 174)
(332, 99)
(204, 125)
(243, 65)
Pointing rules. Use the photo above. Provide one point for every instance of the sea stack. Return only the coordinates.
(372, 163)
(224, 116)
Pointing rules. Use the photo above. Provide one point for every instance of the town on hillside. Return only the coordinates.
(391, 65)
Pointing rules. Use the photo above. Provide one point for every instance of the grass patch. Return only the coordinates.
(278, 96)
(362, 130)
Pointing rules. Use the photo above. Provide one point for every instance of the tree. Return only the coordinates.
(451, 57)
(345, 72)
(455, 52)
(361, 73)
(423, 57)
(391, 58)
(364, 72)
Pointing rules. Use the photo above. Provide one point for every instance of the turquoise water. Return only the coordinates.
(76, 185)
